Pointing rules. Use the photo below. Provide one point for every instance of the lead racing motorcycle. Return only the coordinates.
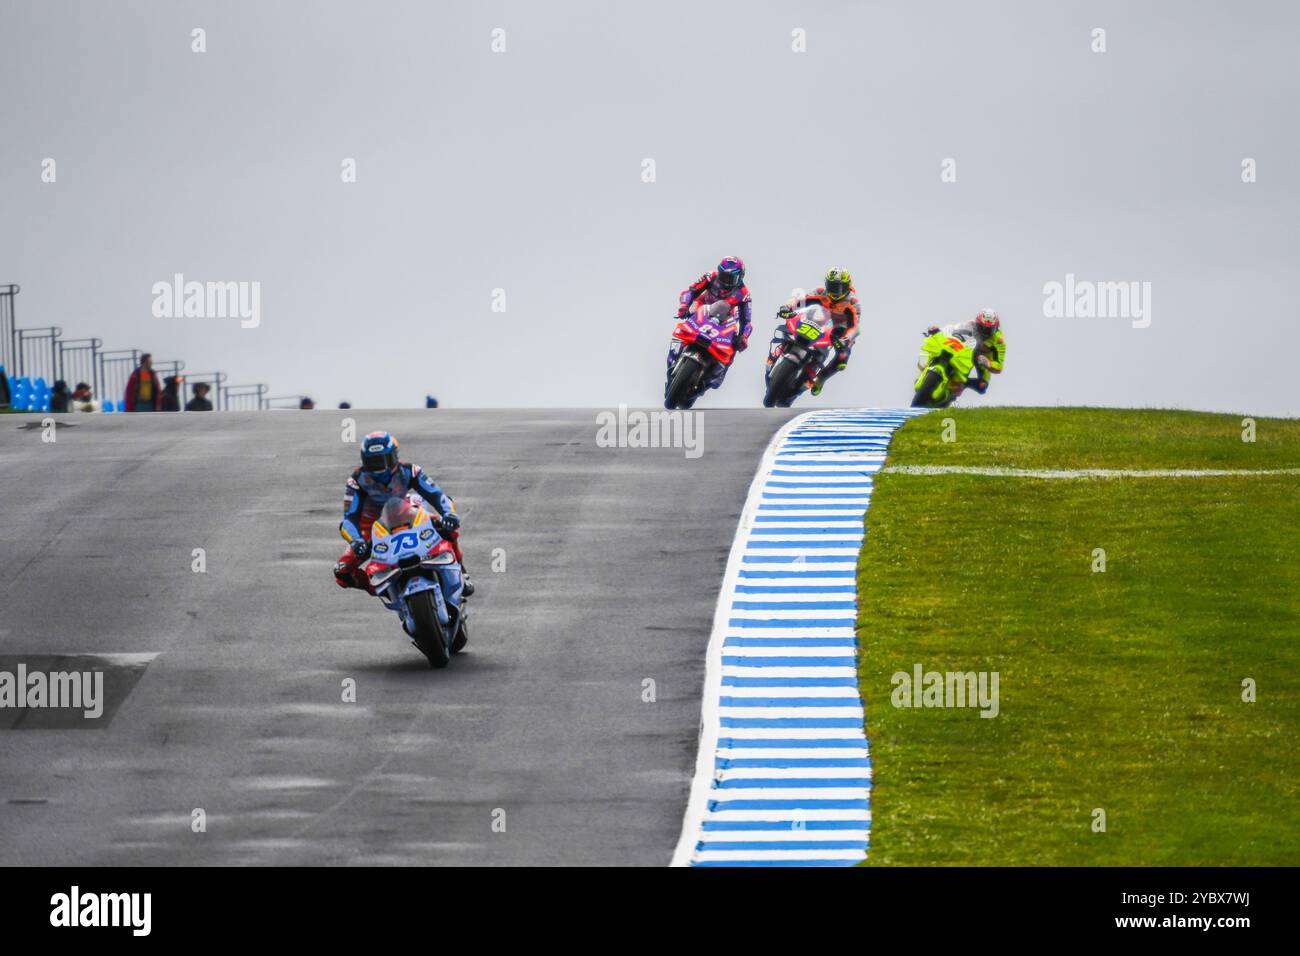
(413, 570)
(701, 351)
(945, 362)
(799, 350)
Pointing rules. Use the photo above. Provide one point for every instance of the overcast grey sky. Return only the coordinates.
(522, 170)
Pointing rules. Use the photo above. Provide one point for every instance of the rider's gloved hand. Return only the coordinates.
(742, 344)
(450, 521)
(360, 548)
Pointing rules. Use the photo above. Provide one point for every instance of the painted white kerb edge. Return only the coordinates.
(831, 454)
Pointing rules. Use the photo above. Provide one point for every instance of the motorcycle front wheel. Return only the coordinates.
(783, 382)
(429, 635)
(685, 380)
(924, 397)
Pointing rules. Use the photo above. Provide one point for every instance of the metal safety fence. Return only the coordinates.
(245, 398)
(36, 352)
(7, 293)
(281, 402)
(115, 368)
(37, 358)
(213, 380)
(79, 362)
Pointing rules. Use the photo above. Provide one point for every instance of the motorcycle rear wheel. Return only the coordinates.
(429, 636)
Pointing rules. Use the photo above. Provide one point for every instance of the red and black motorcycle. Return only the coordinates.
(799, 349)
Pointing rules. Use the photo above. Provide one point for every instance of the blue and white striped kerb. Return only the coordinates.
(784, 773)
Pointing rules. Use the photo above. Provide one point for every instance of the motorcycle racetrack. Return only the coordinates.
(565, 734)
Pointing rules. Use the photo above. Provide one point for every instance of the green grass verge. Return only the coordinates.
(1119, 690)
(1097, 438)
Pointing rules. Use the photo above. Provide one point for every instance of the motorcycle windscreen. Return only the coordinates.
(411, 534)
(398, 512)
(720, 313)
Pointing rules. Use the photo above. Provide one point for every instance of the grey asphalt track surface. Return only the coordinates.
(613, 562)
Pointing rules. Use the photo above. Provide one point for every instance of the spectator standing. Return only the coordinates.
(171, 394)
(200, 402)
(142, 388)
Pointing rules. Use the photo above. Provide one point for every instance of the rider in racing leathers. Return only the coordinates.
(381, 477)
(838, 297)
(727, 282)
(990, 346)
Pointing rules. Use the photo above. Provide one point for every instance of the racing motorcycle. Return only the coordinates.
(414, 571)
(799, 350)
(702, 345)
(945, 363)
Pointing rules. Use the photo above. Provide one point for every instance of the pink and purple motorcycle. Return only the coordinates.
(701, 351)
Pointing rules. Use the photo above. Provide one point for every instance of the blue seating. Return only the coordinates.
(108, 406)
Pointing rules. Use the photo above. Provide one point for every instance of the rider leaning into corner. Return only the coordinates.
(990, 346)
(840, 299)
(381, 477)
(725, 283)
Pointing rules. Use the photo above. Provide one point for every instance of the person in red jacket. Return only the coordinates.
(142, 388)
